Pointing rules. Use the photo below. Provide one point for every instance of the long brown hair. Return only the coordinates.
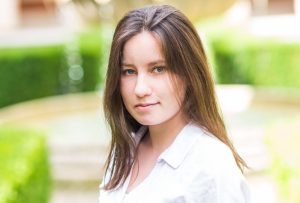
(185, 56)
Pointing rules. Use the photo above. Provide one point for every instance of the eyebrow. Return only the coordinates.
(152, 63)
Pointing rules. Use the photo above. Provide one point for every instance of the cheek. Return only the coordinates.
(181, 93)
(122, 88)
(177, 89)
(126, 89)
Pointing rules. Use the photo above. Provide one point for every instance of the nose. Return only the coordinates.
(142, 87)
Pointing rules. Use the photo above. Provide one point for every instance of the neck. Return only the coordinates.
(162, 135)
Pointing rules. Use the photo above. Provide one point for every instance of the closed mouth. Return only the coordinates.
(146, 104)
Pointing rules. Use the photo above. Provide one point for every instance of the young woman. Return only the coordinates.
(169, 142)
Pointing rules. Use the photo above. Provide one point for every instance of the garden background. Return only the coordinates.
(53, 58)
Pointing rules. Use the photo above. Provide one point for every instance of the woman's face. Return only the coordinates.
(147, 87)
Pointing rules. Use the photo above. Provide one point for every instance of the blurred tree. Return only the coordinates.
(200, 9)
(112, 10)
(88, 10)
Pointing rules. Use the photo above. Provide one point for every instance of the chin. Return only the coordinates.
(148, 122)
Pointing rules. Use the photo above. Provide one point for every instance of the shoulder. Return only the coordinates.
(208, 152)
(212, 169)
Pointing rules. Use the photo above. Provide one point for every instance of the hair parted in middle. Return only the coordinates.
(185, 57)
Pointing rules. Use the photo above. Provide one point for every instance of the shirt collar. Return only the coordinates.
(177, 151)
(183, 143)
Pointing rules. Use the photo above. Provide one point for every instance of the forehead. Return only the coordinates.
(142, 48)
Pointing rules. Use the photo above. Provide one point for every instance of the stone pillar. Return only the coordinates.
(9, 14)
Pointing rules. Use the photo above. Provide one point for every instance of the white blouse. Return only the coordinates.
(195, 168)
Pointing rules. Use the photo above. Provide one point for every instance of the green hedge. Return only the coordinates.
(28, 73)
(24, 166)
(241, 59)
(283, 143)
(92, 56)
(34, 72)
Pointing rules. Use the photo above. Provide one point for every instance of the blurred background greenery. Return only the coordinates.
(53, 58)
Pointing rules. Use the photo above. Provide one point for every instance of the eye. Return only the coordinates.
(158, 69)
(128, 72)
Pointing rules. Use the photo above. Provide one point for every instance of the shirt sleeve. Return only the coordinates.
(230, 183)
(221, 182)
(105, 179)
(216, 190)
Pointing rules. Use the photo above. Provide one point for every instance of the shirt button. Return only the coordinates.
(160, 161)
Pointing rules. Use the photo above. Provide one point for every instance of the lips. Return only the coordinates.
(146, 104)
